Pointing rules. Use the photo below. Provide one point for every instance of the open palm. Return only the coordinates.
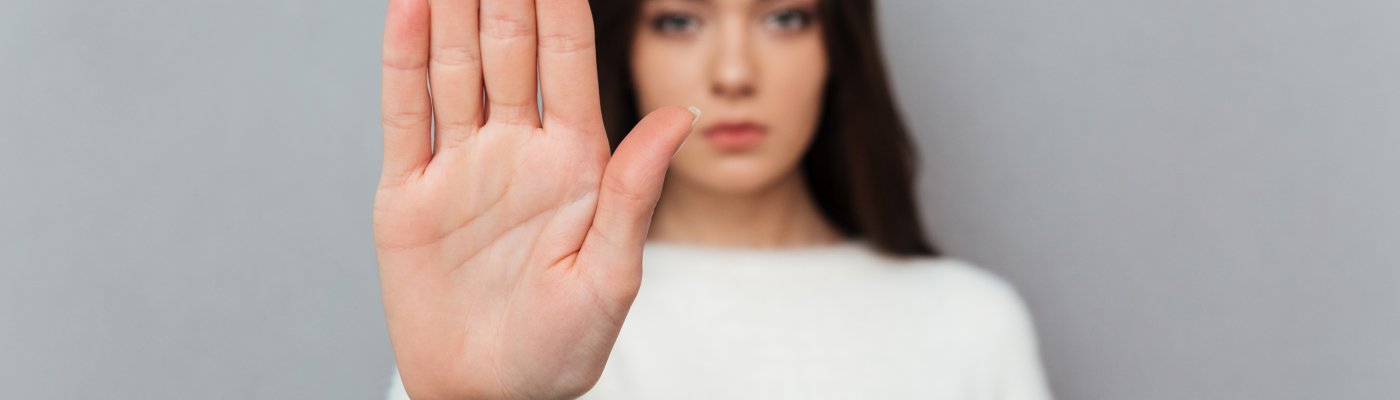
(509, 240)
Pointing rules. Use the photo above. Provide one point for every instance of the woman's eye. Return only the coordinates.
(674, 23)
(789, 20)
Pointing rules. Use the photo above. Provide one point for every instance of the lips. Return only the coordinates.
(735, 136)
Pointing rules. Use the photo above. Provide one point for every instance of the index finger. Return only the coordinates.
(568, 66)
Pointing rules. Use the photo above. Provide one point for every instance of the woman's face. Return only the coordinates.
(757, 68)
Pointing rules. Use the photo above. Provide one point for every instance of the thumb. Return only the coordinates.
(631, 186)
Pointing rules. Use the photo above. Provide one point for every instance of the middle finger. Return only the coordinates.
(508, 61)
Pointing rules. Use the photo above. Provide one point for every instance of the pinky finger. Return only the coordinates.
(405, 104)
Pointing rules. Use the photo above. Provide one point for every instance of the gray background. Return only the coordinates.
(1198, 198)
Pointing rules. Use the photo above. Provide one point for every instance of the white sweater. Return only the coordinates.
(835, 322)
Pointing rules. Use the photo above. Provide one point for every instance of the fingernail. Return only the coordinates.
(695, 111)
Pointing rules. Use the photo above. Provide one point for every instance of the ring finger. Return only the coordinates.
(455, 70)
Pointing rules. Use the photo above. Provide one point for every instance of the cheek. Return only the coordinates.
(795, 82)
(665, 73)
(801, 71)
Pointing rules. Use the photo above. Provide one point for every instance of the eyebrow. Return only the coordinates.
(760, 2)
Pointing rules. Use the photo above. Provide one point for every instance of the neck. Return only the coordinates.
(781, 215)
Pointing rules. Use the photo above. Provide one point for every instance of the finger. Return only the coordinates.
(508, 60)
(405, 106)
(568, 66)
(455, 69)
(631, 185)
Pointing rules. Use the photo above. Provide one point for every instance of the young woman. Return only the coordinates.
(782, 251)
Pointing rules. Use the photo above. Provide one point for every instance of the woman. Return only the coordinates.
(783, 255)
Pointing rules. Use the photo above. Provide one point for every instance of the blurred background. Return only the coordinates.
(1199, 199)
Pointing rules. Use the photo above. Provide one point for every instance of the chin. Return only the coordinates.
(733, 179)
(740, 186)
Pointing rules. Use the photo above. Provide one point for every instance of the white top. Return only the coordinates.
(833, 322)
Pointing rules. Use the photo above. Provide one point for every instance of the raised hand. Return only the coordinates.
(510, 245)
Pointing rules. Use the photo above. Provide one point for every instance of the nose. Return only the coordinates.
(733, 71)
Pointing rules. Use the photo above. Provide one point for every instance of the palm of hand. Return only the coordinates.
(510, 248)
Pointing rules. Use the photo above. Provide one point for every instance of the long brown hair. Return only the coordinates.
(860, 166)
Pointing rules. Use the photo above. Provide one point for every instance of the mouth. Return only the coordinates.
(735, 136)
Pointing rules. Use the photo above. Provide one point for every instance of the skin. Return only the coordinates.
(510, 249)
(740, 60)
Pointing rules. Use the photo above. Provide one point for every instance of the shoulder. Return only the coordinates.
(396, 390)
(974, 295)
(999, 334)
(958, 277)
